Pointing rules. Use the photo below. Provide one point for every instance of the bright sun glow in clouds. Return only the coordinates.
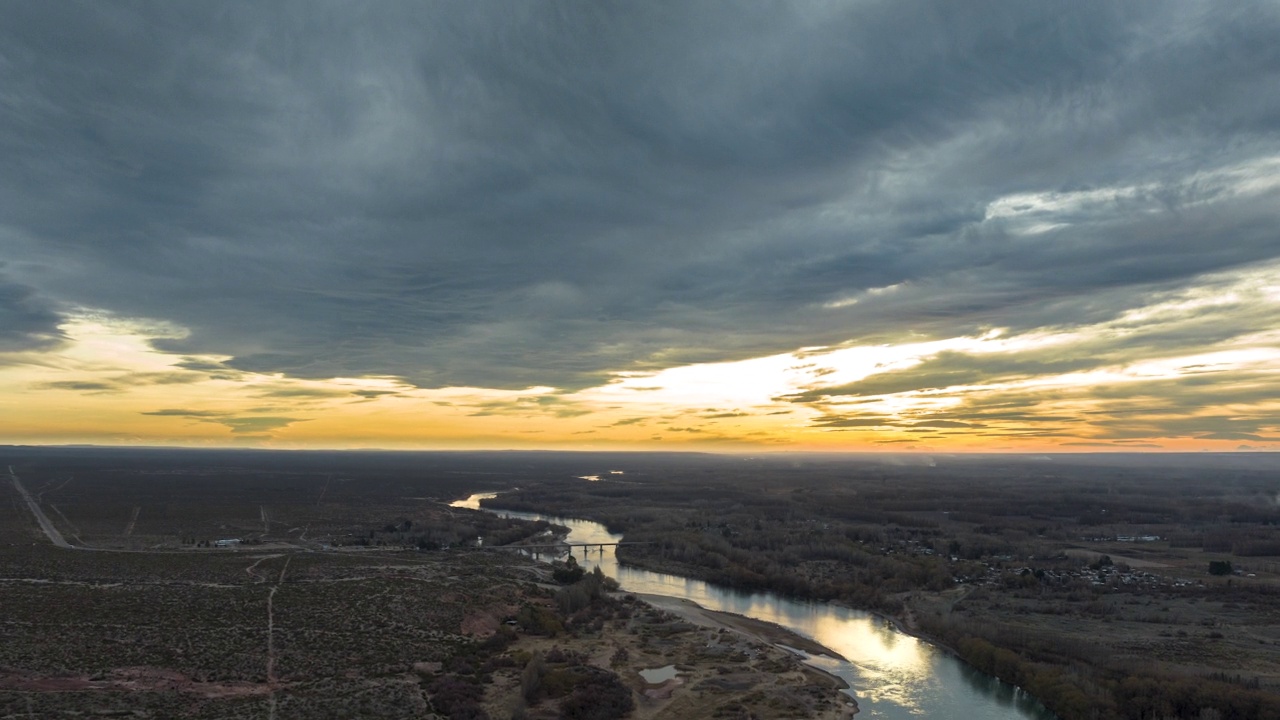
(107, 383)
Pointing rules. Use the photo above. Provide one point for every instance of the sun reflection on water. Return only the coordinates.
(891, 675)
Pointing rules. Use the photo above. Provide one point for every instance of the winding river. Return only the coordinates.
(891, 674)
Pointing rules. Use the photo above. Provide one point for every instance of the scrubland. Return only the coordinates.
(354, 590)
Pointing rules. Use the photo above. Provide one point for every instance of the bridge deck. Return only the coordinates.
(561, 546)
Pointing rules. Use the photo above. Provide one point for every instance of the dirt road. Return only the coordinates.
(55, 536)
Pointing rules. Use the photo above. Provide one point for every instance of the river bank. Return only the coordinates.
(904, 623)
(760, 630)
(678, 660)
(896, 674)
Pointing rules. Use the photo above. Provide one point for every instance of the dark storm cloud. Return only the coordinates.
(1219, 309)
(257, 424)
(304, 393)
(177, 412)
(84, 386)
(26, 321)
(949, 369)
(122, 382)
(940, 424)
(237, 424)
(1194, 407)
(880, 421)
(372, 394)
(536, 406)
(514, 194)
(837, 421)
(158, 378)
(1227, 406)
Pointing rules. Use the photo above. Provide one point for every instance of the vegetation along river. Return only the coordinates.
(890, 674)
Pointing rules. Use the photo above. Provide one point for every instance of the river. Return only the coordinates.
(891, 674)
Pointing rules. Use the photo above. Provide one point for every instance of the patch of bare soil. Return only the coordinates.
(484, 623)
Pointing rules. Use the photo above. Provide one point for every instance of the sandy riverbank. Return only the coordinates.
(753, 629)
(760, 630)
(720, 665)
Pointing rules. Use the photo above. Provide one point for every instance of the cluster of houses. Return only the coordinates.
(998, 572)
(1117, 576)
(1123, 538)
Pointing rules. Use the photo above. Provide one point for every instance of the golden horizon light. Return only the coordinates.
(107, 383)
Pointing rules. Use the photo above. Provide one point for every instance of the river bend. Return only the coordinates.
(892, 675)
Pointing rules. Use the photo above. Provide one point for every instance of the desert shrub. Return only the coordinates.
(567, 573)
(538, 620)
(457, 698)
(597, 695)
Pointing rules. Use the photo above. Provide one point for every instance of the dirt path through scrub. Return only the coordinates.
(133, 520)
(272, 680)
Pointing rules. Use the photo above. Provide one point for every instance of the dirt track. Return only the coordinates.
(52, 532)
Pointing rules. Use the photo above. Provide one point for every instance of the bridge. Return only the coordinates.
(559, 547)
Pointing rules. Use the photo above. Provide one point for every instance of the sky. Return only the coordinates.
(737, 226)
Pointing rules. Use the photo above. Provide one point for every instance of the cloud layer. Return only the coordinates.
(546, 194)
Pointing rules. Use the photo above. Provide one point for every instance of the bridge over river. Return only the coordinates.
(561, 547)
